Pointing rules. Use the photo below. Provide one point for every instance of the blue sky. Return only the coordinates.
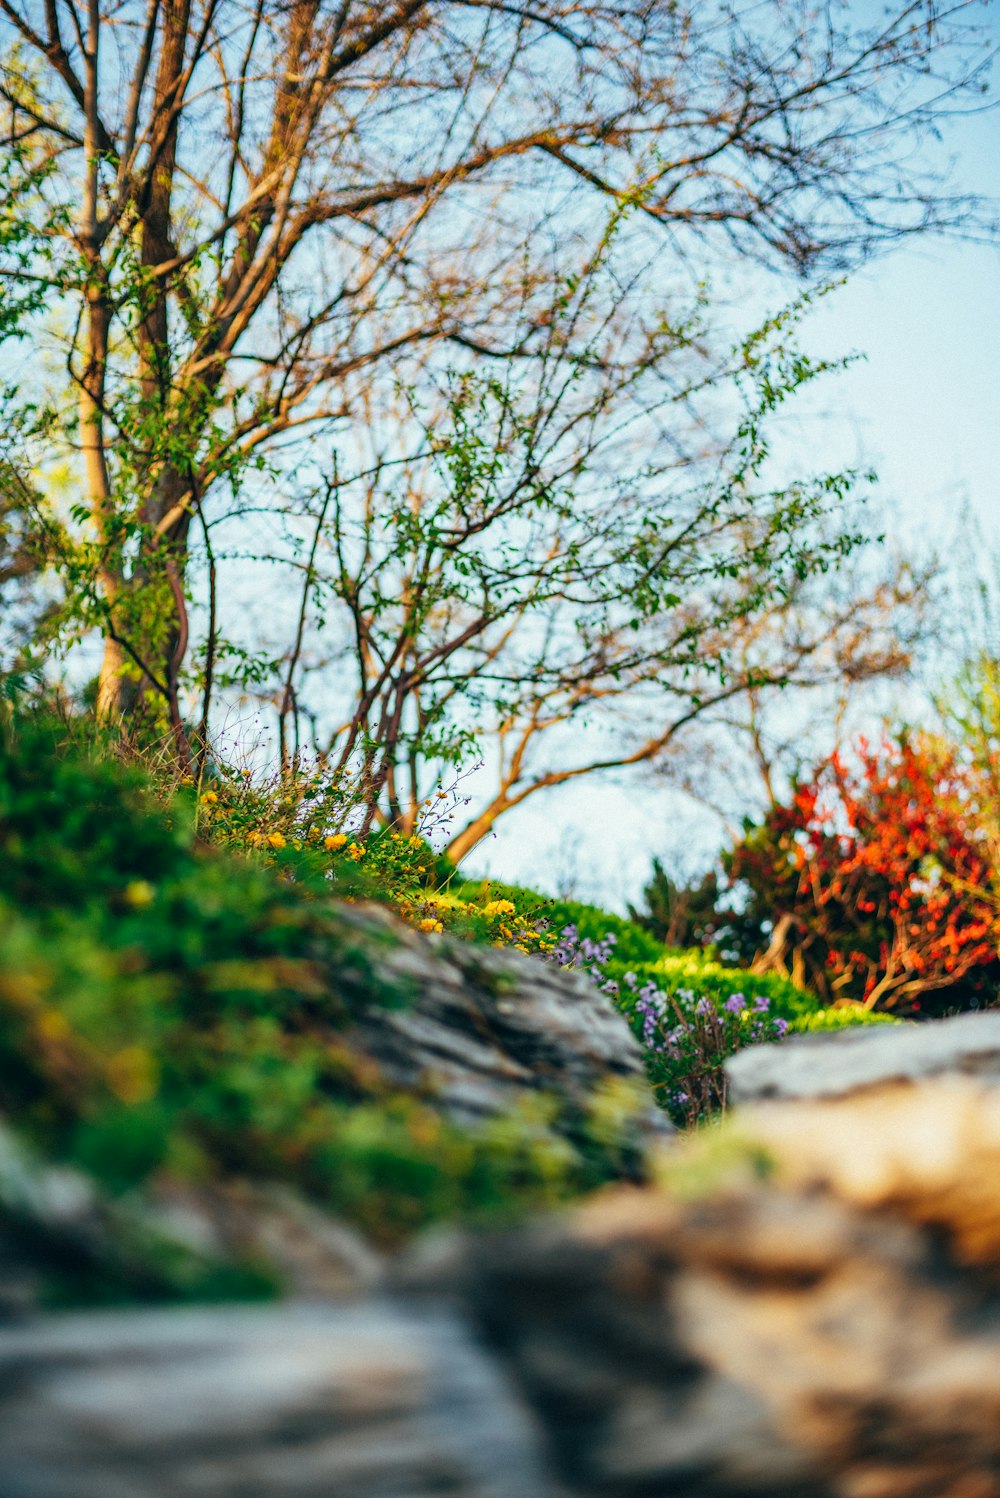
(923, 408)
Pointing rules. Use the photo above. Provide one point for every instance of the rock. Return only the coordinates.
(584, 1312)
(312, 1253)
(761, 1343)
(806, 1306)
(288, 1402)
(931, 1152)
(485, 1027)
(877, 1359)
(62, 1237)
(837, 1062)
(825, 1324)
(480, 1033)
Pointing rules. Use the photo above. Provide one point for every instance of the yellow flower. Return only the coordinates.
(498, 907)
(431, 925)
(424, 1128)
(331, 844)
(209, 798)
(356, 851)
(139, 894)
(133, 1075)
(275, 839)
(53, 1026)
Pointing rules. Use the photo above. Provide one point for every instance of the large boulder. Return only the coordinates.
(297, 1401)
(485, 1027)
(477, 1034)
(838, 1062)
(804, 1307)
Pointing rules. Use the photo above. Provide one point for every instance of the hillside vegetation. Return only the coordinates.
(173, 1009)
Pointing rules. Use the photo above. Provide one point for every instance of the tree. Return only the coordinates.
(521, 576)
(847, 639)
(874, 883)
(679, 913)
(23, 605)
(241, 220)
(968, 700)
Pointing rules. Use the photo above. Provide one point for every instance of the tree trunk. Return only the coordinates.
(117, 691)
(471, 835)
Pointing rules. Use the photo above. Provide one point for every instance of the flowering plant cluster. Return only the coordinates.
(308, 821)
(574, 950)
(874, 883)
(686, 1036)
(501, 923)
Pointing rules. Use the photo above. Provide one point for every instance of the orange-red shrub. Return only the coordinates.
(874, 882)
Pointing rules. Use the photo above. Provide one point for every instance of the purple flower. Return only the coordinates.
(734, 1004)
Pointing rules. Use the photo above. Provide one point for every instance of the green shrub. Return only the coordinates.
(632, 944)
(689, 1013)
(843, 1018)
(701, 975)
(171, 1007)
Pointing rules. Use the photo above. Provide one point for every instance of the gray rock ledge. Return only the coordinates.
(835, 1063)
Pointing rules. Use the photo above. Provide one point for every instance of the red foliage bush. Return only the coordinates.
(875, 881)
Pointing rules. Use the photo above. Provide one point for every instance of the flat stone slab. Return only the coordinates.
(843, 1061)
(288, 1401)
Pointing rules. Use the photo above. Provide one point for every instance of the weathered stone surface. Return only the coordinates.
(304, 1401)
(838, 1062)
(808, 1308)
(831, 1328)
(930, 1152)
(764, 1340)
(487, 1026)
(585, 1313)
(483, 1030)
(312, 1253)
(876, 1357)
(56, 1225)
